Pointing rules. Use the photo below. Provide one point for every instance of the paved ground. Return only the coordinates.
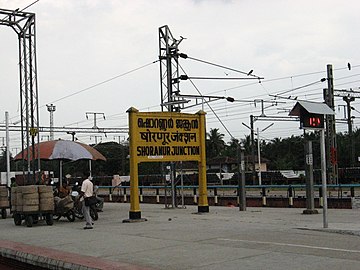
(225, 238)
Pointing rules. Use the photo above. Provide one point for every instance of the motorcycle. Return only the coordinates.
(78, 208)
(64, 207)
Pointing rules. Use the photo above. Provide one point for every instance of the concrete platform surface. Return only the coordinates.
(224, 238)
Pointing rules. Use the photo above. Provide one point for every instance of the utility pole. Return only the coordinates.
(259, 152)
(332, 166)
(94, 115)
(23, 23)
(258, 147)
(309, 168)
(7, 150)
(90, 161)
(72, 133)
(169, 69)
(169, 82)
(252, 149)
(349, 96)
(348, 100)
(122, 152)
(51, 109)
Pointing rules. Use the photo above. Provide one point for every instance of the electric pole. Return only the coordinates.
(23, 23)
(169, 83)
(252, 149)
(349, 96)
(94, 115)
(72, 133)
(169, 69)
(348, 100)
(332, 166)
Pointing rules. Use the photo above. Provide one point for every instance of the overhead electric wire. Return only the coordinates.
(207, 103)
(301, 87)
(280, 78)
(103, 82)
(33, 3)
(221, 66)
(230, 110)
(261, 82)
(219, 78)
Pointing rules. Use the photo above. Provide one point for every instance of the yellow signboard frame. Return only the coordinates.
(163, 137)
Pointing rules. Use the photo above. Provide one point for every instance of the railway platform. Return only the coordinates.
(224, 238)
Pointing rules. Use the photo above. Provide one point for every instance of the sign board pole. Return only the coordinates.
(135, 213)
(203, 206)
(312, 116)
(323, 177)
(310, 206)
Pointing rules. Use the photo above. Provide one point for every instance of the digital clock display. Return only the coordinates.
(313, 121)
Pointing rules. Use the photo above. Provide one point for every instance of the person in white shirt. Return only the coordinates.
(87, 190)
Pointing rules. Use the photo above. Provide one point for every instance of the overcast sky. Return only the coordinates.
(85, 42)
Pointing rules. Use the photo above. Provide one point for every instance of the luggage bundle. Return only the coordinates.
(32, 198)
(4, 197)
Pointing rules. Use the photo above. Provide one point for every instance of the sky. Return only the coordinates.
(98, 56)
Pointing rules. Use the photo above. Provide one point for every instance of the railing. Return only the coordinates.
(225, 191)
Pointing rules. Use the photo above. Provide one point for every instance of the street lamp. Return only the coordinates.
(51, 109)
(258, 146)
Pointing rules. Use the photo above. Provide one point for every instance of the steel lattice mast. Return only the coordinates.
(23, 23)
(169, 69)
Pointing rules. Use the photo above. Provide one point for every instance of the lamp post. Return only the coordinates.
(258, 147)
(258, 142)
(51, 109)
(241, 179)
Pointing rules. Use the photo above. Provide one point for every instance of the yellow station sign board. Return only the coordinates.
(166, 136)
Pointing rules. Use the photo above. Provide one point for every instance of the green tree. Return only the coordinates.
(231, 148)
(214, 143)
(3, 161)
(284, 154)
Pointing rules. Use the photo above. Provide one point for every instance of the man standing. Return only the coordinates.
(87, 190)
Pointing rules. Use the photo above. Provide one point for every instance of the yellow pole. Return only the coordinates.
(135, 212)
(203, 205)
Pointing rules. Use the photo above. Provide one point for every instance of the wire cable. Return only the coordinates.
(207, 103)
(221, 66)
(100, 83)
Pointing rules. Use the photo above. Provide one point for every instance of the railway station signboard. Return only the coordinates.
(164, 137)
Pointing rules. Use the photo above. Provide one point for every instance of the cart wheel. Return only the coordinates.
(3, 213)
(35, 219)
(70, 215)
(94, 214)
(17, 219)
(78, 214)
(29, 220)
(49, 219)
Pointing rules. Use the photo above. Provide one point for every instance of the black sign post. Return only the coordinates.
(312, 117)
